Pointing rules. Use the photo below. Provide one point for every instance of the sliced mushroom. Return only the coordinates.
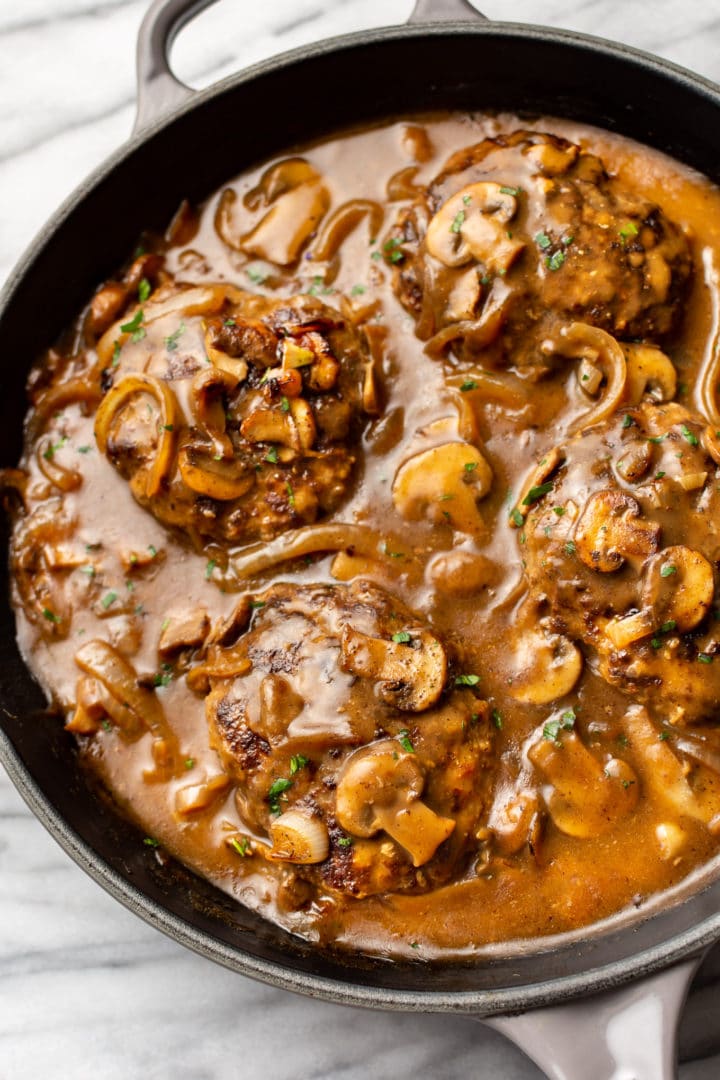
(379, 789)
(535, 483)
(550, 158)
(411, 675)
(584, 797)
(649, 371)
(298, 837)
(610, 529)
(461, 572)
(663, 775)
(294, 427)
(545, 666)
(472, 224)
(221, 480)
(207, 390)
(282, 233)
(678, 587)
(444, 484)
(187, 631)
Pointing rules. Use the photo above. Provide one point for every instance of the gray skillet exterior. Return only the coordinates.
(213, 135)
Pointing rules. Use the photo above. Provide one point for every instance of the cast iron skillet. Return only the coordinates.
(186, 145)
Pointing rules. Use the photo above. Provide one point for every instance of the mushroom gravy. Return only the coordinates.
(365, 533)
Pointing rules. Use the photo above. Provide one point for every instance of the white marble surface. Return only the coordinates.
(86, 989)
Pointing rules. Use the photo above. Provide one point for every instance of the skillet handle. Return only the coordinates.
(625, 1034)
(445, 11)
(159, 91)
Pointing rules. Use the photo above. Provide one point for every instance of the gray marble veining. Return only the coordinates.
(86, 989)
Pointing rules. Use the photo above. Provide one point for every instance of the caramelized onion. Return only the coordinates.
(116, 400)
(585, 342)
(359, 539)
(342, 222)
(100, 660)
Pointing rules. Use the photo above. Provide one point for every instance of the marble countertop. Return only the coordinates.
(86, 989)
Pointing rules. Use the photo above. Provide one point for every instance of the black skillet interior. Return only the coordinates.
(287, 102)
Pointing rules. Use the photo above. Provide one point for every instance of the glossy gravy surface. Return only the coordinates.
(561, 881)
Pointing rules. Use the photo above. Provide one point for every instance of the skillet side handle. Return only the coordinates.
(625, 1034)
(158, 91)
(445, 11)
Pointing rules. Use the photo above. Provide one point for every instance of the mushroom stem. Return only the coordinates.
(417, 829)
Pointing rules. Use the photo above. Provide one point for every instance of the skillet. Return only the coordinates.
(447, 57)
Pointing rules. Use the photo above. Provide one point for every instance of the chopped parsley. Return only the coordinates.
(543, 241)
(553, 728)
(297, 762)
(257, 604)
(570, 548)
(135, 327)
(404, 739)
(164, 677)
(189, 763)
(272, 455)
(555, 261)
(470, 466)
(229, 322)
(668, 570)
(659, 475)
(504, 190)
(497, 719)
(89, 570)
(668, 626)
(401, 638)
(276, 791)
(536, 493)
(171, 341)
(241, 846)
(627, 421)
(290, 495)
(211, 564)
(345, 841)
(153, 550)
(53, 448)
(705, 658)
(517, 518)
(628, 230)
(467, 680)
(657, 439)
(687, 434)
(559, 510)
(144, 290)
(108, 599)
(150, 841)
(84, 449)
(50, 615)
(256, 274)
(392, 250)
(284, 404)
(116, 353)
(469, 384)
(357, 290)
(458, 222)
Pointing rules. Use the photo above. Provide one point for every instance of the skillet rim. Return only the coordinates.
(481, 1002)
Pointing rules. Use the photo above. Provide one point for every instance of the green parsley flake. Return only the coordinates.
(297, 762)
(257, 604)
(510, 191)
(108, 599)
(241, 846)
(144, 290)
(134, 327)
(89, 570)
(357, 290)
(189, 763)
(517, 518)
(668, 570)
(84, 449)
(467, 680)
(277, 789)
(284, 404)
(403, 738)
(345, 841)
(668, 626)
(705, 658)
(290, 495)
(570, 548)
(50, 615)
(458, 222)
(555, 261)
(627, 421)
(162, 678)
(256, 274)
(116, 353)
(629, 230)
(470, 466)
(469, 384)
(53, 448)
(153, 550)
(553, 728)
(536, 493)
(497, 719)
(402, 637)
(272, 455)
(543, 241)
(150, 841)
(210, 568)
(171, 341)
(687, 433)
(559, 510)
